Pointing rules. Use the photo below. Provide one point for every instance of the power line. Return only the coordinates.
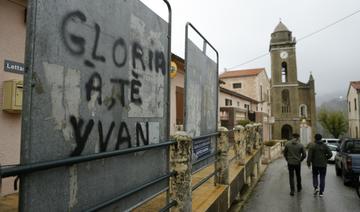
(249, 61)
(302, 38)
(328, 26)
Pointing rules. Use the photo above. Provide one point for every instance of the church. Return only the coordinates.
(292, 102)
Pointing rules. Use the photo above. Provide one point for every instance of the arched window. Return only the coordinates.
(285, 99)
(303, 110)
(284, 72)
(357, 132)
(349, 106)
(355, 105)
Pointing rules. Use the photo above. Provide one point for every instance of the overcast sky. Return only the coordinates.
(240, 30)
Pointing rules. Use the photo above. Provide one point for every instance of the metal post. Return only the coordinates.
(222, 161)
(180, 163)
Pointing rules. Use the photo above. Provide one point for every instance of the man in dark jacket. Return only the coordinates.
(294, 153)
(319, 153)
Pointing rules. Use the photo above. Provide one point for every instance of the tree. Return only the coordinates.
(334, 122)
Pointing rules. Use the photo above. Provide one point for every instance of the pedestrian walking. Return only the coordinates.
(294, 154)
(318, 155)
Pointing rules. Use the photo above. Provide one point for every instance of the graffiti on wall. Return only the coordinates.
(139, 92)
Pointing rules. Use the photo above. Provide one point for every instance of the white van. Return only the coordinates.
(332, 141)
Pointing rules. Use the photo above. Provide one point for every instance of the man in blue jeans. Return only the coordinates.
(318, 155)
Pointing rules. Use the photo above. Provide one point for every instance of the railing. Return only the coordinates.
(22, 169)
(40, 166)
(245, 138)
(203, 159)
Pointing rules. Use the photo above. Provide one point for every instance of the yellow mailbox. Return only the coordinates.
(12, 96)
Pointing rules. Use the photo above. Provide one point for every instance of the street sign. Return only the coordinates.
(97, 82)
(13, 67)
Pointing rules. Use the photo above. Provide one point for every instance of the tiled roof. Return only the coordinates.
(355, 84)
(241, 73)
(236, 94)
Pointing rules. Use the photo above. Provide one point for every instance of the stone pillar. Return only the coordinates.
(180, 163)
(259, 164)
(254, 174)
(259, 135)
(240, 145)
(222, 161)
(256, 136)
(248, 138)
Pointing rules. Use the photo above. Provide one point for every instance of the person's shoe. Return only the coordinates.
(299, 189)
(291, 193)
(321, 194)
(316, 191)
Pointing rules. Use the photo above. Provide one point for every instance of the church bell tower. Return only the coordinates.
(284, 82)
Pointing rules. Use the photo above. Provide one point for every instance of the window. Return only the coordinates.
(246, 106)
(228, 102)
(357, 132)
(303, 110)
(238, 104)
(284, 72)
(237, 85)
(355, 105)
(261, 94)
(285, 101)
(349, 106)
(352, 146)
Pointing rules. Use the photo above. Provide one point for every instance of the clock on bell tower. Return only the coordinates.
(283, 57)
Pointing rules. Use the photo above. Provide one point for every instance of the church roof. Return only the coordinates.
(355, 84)
(281, 27)
(241, 73)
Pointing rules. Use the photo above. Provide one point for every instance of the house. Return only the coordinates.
(254, 84)
(235, 107)
(12, 35)
(353, 96)
(177, 79)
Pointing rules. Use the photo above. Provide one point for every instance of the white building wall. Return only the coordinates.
(353, 115)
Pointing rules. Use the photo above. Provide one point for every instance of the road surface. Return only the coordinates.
(272, 193)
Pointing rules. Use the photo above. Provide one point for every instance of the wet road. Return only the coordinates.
(272, 193)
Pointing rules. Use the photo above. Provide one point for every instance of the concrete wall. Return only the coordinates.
(12, 47)
(353, 115)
